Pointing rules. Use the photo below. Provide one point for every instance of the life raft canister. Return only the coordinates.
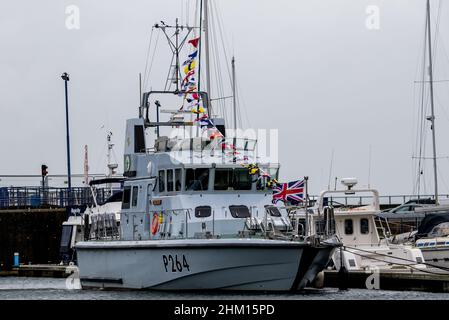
(155, 224)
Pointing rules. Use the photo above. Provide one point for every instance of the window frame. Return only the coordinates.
(234, 179)
(235, 214)
(134, 196)
(346, 226)
(232, 182)
(126, 200)
(171, 172)
(175, 180)
(162, 184)
(269, 208)
(363, 231)
(198, 213)
(195, 176)
(228, 177)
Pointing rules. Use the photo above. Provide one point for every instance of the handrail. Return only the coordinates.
(374, 197)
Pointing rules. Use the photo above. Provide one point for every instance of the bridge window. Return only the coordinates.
(178, 179)
(135, 194)
(161, 180)
(364, 226)
(349, 226)
(242, 179)
(274, 173)
(232, 179)
(197, 179)
(170, 180)
(139, 139)
(203, 211)
(223, 178)
(126, 197)
(239, 211)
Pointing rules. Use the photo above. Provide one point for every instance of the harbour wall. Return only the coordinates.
(33, 233)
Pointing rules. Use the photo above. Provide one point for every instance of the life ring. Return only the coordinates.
(155, 224)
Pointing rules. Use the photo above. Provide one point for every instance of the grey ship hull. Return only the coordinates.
(201, 264)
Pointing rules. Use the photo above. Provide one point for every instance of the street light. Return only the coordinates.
(66, 79)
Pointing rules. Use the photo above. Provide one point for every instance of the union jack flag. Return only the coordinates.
(292, 192)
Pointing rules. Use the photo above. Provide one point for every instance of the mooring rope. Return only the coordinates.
(397, 258)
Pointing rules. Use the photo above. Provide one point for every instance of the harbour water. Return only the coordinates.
(19, 288)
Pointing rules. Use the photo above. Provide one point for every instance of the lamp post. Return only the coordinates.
(66, 79)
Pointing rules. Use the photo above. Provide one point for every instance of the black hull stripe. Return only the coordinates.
(307, 257)
(102, 280)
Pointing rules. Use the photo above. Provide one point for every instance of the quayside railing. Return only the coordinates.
(38, 197)
(386, 201)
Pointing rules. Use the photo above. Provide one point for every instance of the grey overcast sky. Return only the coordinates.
(311, 69)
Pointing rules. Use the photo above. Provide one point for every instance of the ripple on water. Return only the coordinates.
(19, 288)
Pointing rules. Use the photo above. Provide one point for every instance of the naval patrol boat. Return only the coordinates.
(195, 214)
(194, 218)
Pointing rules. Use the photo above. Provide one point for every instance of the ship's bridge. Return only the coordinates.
(207, 171)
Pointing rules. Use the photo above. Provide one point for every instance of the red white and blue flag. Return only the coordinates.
(292, 192)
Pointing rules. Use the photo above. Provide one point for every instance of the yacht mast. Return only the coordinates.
(432, 117)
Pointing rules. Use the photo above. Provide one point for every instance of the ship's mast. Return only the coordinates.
(204, 26)
(234, 102)
(111, 166)
(177, 78)
(432, 117)
(234, 98)
(206, 50)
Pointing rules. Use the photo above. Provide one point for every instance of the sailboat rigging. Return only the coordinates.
(431, 118)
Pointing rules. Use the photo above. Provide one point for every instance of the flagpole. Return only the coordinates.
(306, 179)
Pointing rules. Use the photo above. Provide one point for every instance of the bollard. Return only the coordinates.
(16, 259)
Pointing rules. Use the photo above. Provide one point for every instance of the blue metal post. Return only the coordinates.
(16, 259)
(66, 78)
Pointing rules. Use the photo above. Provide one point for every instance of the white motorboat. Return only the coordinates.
(96, 221)
(364, 235)
(432, 237)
